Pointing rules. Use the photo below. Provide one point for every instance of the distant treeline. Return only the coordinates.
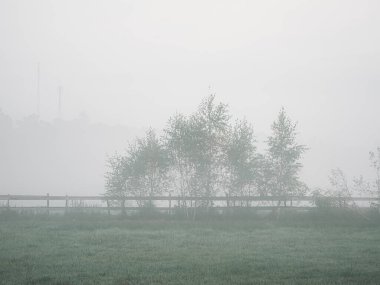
(57, 157)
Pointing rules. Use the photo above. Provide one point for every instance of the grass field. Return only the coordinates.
(112, 250)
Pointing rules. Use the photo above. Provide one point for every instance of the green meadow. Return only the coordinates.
(97, 249)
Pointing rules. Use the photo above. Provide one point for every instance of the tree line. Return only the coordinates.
(58, 156)
(206, 154)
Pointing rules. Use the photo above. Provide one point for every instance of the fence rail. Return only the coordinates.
(169, 197)
(168, 203)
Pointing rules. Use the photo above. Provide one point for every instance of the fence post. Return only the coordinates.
(228, 203)
(123, 207)
(47, 202)
(108, 208)
(8, 201)
(67, 203)
(170, 203)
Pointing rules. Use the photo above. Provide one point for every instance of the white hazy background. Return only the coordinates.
(132, 64)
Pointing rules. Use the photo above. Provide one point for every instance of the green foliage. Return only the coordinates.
(150, 163)
(283, 158)
(204, 155)
(196, 147)
(208, 130)
(117, 176)
(142, 172)
(180, 146)
(242, 161)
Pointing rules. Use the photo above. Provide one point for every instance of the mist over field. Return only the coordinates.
(130, 65)
(189, 142)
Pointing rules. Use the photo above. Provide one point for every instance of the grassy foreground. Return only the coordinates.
(112, 250)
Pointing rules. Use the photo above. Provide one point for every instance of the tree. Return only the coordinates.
(208, 137)
(264, 178)
(150, 164)
(120, 179)
(141, 172)
(241, 159)
(178, 143)
(284, 154)
(340, 186)
(341, 190)
(116, 176)
(375, 163)
(360, 185)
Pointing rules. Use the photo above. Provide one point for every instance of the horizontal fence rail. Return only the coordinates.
(169, 203)
(183, 198)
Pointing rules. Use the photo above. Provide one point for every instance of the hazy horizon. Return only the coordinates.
(136, 63)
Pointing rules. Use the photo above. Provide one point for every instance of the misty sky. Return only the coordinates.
(138, 62)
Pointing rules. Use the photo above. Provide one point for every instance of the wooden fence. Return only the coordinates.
(169, 203)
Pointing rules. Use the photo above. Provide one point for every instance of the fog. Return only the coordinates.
(125, 66)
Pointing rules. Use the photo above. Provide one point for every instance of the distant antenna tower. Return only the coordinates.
(38, 89)
(60, 89)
